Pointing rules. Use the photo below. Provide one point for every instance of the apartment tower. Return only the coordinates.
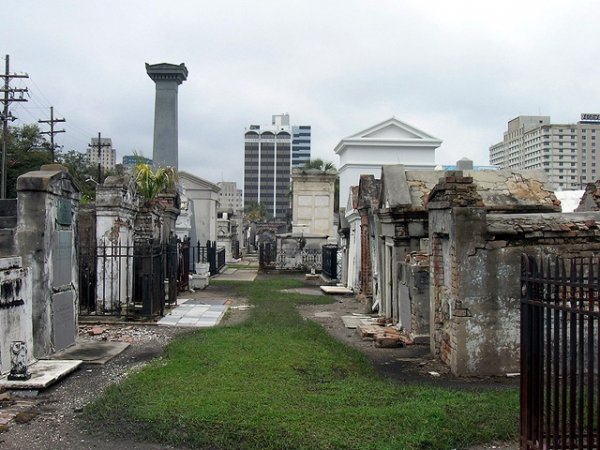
(566, 152)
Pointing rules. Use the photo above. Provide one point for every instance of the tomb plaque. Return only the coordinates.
(63, 212)
(61, 258)
(63, 320)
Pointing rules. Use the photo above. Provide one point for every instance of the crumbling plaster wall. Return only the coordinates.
(48, 203)
(15, 308)
(476, 309)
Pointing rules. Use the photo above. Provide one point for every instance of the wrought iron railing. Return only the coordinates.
(560, 359)
(329, 261)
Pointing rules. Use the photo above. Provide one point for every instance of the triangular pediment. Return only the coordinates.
(389, 133)
(392, 129)
(190, 181)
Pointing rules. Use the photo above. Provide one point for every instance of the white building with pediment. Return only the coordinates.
(389, 142)
(203, 197)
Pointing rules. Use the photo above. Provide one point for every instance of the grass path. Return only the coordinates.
(279, 381)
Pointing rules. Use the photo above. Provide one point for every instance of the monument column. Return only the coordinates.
(167, 78)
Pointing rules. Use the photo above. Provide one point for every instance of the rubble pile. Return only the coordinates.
(384, 336)
(124, 333)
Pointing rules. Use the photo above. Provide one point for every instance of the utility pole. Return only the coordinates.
(7, 99)
(99, 148)
(52, 131)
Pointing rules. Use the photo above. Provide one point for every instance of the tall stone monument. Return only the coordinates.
(167, 78)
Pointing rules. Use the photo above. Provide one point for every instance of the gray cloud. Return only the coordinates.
(458, 70)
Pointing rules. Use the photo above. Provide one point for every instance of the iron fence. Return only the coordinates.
(130, 280)
(560, 353)
(267, 255)
(183, 273)
(198, 254)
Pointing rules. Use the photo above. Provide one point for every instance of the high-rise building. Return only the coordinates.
(267, 165)
(230, 197)
(300, 145)
(106, 155)
(566, 152)
(130, 161)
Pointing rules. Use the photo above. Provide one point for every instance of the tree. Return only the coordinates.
(319, 164)
(26, 150)
(151, 182)
(82, 172)
(256, 212)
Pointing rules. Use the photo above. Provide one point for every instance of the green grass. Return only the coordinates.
(279, 381)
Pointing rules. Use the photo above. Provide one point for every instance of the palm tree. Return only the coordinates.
(150, 182)
(256, 212)
(318, 164)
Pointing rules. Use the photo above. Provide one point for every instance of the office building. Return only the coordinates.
(130, 161)
(300, 145)
(230, 197)
(268, 161)
(566, 152)
(102, 152)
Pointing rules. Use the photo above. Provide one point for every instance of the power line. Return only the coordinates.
(99, 146)
(9, 97)
(52, 131)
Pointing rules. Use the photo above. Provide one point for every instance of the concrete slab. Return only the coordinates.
(169, 320)
(94, 352)
(324, 314)
(186, 305)
(187, 320)
(336, 290)
(198, 310)
(207, 301)
(354, 321)
(43, 373)
(196, 313)
(238, 275)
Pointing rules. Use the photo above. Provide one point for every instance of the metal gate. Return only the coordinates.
(267, 255)
(560, 353)
(131, 281)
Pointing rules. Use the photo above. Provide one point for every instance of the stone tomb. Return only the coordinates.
(15, 309)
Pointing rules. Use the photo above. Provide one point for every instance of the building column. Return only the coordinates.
(167, 78)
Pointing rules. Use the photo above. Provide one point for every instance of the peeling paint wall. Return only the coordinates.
(15, 309)
(48, 203)
(116, 210)
(475, 269)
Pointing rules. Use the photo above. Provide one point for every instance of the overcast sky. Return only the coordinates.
(458, 70)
